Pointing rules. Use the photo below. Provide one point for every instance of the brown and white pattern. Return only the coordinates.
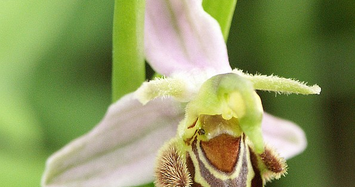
(224, 160)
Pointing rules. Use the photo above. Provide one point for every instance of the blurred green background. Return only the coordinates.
(55, 79)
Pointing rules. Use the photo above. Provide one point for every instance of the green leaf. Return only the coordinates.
(222, 11)
(128, 70)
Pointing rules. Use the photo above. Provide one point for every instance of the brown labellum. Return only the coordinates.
(223, 159)
(222, 152)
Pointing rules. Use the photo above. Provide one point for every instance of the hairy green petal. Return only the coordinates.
(279, 84)
(162, 87)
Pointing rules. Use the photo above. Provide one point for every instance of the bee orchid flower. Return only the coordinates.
(199, 104)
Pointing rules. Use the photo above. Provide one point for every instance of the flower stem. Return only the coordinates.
(128, 68)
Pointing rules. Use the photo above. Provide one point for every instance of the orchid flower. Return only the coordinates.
(200, 99)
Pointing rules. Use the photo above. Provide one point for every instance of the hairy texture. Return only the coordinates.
(279, 84)
(275, 165)
(171, 169)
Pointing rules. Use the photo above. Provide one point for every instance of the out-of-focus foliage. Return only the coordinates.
(55, 70)
(311, 40)
(55, 78)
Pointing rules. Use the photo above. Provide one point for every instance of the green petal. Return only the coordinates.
(279, 84)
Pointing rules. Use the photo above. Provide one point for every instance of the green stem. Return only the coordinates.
(222, 11)
(128, 69)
